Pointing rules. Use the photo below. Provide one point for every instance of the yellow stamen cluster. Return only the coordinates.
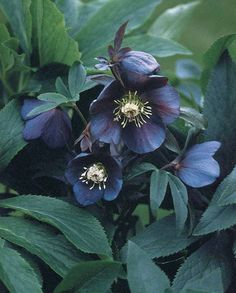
(95, 174)
(132, 109)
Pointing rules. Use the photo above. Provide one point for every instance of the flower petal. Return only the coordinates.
(34, 127)
(57, 130)
(28, 106)
(146, 138)
(200, 173)
(165, 102)
(86, 196)
(113, 188)
(200, 151)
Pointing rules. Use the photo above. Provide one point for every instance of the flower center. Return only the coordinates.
(96, 175)
(132, 109)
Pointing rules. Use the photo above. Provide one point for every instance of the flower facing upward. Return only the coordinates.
(197, 168)
(53, 126)
(94, 176)
(137, 117)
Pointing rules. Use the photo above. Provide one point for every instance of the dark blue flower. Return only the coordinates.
(197, 168)
(53, 126)
(94, 177)
(138, 118)
(134, 67)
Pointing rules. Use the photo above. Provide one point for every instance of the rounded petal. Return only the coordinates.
(165, 102)
(200, 151)
(28, 106)
(135, 66)
(57, 130)
(113, 188)
(154, 82)
(201, 173)
(146, 138)
(34, 127)
(104, 128)
(105, 101)
(86, 196)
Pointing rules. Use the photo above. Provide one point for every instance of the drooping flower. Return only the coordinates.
(94, 176)
(52, 126)
(138, 118)
(197, 168)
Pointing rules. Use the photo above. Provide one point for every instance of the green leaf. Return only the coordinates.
(173, 21)
(211, 258)
(171, 142)
(76, 80)
(143, 275)
(158, 186)
(162, 238)
(193, 117)
(180, 200)
(220, 109)
(79, 227)
(92, 276)
(11, 133)
(156, 46)
(50, 37)
(98, 33)
(42, 241)
(42, 108)
(140, 169)
(218, 217)
(6, 58)
(16, 274)
(18, 15)
(77, 13)
(213, 54)
(61, 88)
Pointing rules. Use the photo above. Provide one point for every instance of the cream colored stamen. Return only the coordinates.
(96, 175)
(132, 109)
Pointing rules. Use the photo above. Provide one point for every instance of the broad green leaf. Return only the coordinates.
(217, 216)
(158, 185)
(143, 275)
(171, 142)
(159, 47)
(61, 87)
(18, 15)
(97, 32)
(42, 108)
(53, 97)
(42, 241)
(16, 274)
(193, 117)
(76, 80)
(180, 200)
(11, 133)
(213, 54)
(6, 58)
(173, 21)
(162, 238)
(77, 12)
(212, 257)
(220, 109)
(50, 37)
(79, 227)
(140, 169)
(92, 276)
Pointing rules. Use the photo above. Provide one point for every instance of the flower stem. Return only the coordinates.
(7, 87)
(75, 107)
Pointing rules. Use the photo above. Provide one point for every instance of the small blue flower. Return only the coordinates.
(94, 176)
(53, 126)
(197, 168)
(138, 118)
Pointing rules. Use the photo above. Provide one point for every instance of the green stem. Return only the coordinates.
(80, 115)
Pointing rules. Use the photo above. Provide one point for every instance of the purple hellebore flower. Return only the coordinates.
(134, 67)
(52, 126)
(94, 176)
(138, 118)
(197, 168)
